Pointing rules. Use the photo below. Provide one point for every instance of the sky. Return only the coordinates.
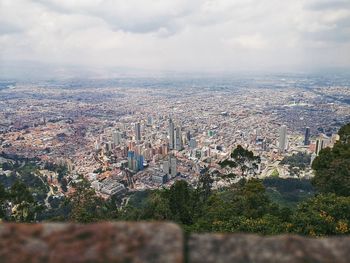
(101, 37)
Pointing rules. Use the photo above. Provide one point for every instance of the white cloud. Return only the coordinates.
(255, 41)
(176, 35)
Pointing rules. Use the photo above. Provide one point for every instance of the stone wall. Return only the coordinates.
(158, 242)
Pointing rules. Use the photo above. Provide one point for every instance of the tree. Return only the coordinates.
(255, 201)
(325, 214)
(3, 201)
(157, 207)
(64, 184)
(205, 184)
(299, 160)
(344, 134)
(180, 202)
(86, 206)
(24, 207)
(62, 171)
(244, 160)
(244, 207)
(332, 166)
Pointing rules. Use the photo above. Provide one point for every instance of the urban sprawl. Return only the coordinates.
(130, 134)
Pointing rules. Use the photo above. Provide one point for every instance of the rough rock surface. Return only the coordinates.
(242, 248)
(103, 242)
(158, 242)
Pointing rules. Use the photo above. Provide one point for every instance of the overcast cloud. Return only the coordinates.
(180, 35)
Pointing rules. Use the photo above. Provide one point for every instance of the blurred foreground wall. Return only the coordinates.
(158, 242)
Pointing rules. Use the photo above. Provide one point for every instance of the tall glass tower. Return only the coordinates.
(171, 134)
(282, 142)
(307, 136)
(138, 131)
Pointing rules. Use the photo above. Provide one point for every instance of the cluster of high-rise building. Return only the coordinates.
(151, 136)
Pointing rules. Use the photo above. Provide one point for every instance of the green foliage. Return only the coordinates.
(35, 184)
(243, 159)
(344, 134)
(325, 214)
(245, 207)
(332, 166)
(179, 203)
(300, 160)
(27, 168)
(275, 173)
(288, 192)
(3, 198)
(86, 207)
(180, 196)
(62, 172)
(205, 183)
(24, 207)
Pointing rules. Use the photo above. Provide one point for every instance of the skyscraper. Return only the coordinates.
(173, 169)
(178, 139)
(166, 167)
(307, 136)
(149, 121)
(169, 167)
(193, 143)
(131, 155)
(117, 137)
(135, 161)
(138, 131)
(139, 162)
(188, 136)
(282, 143)
(171, 135)
(322, 142)
(319, 146)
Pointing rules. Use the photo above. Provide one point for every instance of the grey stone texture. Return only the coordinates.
(245, 248)
(158, 242)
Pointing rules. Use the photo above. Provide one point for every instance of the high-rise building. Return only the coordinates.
(166, 167)
(173, 168)
(169, 167)
(307, 136)
(322, 142)
(193, 143)
(97, 145)
(139, 162)
(138, 131)
(282, 142)
(188, 136)
(258, 132)
(135, 161)
(108, 146)
(149, 120)
(171, 135)
(117, 137)
(131, 155)
(178, 139)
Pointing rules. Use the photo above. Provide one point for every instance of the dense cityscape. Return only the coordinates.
(174, 131)
(131, 134)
